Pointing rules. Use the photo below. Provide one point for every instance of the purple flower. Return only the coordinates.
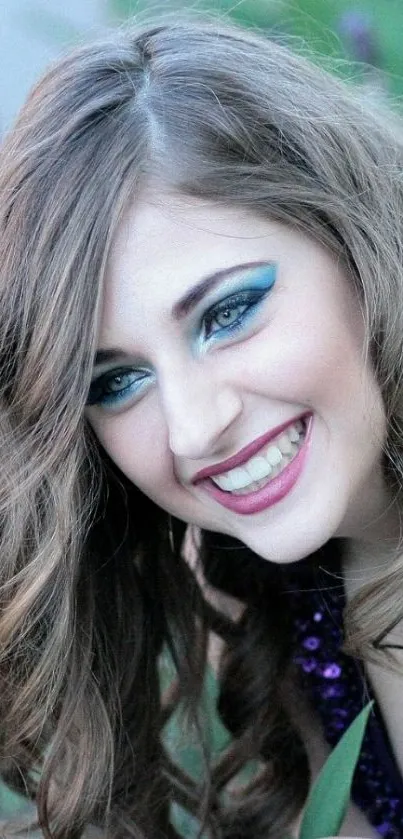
(357, 30)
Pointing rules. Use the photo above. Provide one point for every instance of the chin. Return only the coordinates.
(281, 556)
(289, 545)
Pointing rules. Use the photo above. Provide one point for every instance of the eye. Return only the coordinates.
(229, 315)
(116, 386)
(232, 313)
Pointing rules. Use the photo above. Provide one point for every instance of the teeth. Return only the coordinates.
(252, 475)
(240, 478)
(253, 487)
(258, 468)
(280, 467)
(223, 482)
(284, 444)
(235, 479)
(273, 455)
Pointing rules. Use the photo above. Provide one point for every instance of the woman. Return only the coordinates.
(200, 325)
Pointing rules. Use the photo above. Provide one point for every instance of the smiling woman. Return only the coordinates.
(260, 367)
(201, 435)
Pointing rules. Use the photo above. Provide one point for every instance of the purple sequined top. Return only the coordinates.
(339, 690)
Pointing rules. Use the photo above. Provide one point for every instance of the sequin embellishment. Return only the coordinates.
(338, 689)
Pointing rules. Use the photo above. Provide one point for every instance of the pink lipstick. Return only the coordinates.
(247, 452)
(275, 489)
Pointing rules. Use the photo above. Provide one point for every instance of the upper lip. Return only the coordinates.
(244, 454)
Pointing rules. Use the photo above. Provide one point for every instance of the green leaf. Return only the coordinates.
(330, 794)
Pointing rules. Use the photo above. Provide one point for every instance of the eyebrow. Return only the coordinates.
(195, 294)
(103, 356)
(188, 302)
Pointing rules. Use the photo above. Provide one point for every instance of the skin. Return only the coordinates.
(202, 401)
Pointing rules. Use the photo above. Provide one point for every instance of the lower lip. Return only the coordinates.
(270, 494)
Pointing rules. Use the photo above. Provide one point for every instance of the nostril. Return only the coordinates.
(198, 409)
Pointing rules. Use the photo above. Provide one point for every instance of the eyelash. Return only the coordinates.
(101, 392)
(248, 300)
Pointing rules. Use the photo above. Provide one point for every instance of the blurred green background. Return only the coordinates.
(361, 39)
(367, 33)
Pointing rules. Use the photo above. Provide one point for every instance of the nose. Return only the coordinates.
(198, 410)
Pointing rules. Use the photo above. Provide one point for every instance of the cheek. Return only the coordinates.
(137, 442)
(313, 356)
(302, 363)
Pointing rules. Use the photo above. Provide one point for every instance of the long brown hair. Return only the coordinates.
(93, 583)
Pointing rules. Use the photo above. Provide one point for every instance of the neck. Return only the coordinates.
(373, 538)
(369, 556)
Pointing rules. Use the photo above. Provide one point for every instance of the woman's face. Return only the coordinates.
(231, 385)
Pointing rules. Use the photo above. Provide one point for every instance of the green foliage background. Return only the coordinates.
(318, 22)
